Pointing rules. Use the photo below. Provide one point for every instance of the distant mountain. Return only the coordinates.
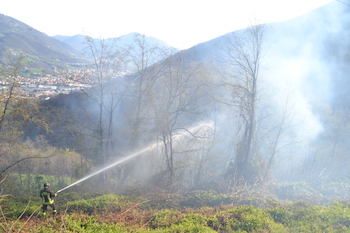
(44, 52)
(130, 42)
(78, 41)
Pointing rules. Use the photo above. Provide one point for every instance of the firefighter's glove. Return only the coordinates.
(56, 194)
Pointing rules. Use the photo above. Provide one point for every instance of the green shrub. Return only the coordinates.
(280, 215)
(187, 227)
(16, 207)
(174, 221)
(245, 219)
(99, 204)
(196, 218)
(25, 184)
(164, 218)
(191, 222)
(337, 214)
(206, 198)
(302, 217)
(71, 196)
(90, 224)
(80, 206)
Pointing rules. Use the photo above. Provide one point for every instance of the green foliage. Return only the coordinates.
(113, 213)
(76, 223)
(39, 165)
(16, 207)
(23, 184)
(206, 198)
(69, 196)
(175, 221)
(105, 203)
(90, 224)
(80, 205)
(185, 227)
(36, 70)
(308, 218)
(164, 218)
(244, 219)
(191, 222)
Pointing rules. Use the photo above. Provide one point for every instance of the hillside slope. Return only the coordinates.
(44, 52)
(310, 52)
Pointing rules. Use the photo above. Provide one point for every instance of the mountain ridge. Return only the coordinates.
(78, 41)
(44, 52)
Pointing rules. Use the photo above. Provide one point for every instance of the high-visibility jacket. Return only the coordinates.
(47, 196)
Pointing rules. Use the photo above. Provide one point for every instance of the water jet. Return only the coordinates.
(176, 137)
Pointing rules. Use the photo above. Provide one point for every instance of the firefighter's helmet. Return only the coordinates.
(46, 185)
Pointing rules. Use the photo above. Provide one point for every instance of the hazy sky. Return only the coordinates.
(180, 23)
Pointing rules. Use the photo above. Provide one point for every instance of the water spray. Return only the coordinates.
(177, 137)
(109, 166)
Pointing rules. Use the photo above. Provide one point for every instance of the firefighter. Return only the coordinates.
(47, 197)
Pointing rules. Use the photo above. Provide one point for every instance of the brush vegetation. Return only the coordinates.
(119, 213)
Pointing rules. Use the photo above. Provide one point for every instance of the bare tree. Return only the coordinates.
(108, 67)
(244, 53)
(143, 58)
(179, 101)
(10, 75)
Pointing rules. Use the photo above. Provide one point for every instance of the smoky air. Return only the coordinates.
(260, 111)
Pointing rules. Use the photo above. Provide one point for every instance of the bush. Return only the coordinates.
(185, 227)
(191, 222)
(174, 221)
(308, 218)
(164, 218)
(244, 219)
(105, 203)
(75, 223)
(206, 198)
(90, 224)
(14, 208)
(112, 213)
